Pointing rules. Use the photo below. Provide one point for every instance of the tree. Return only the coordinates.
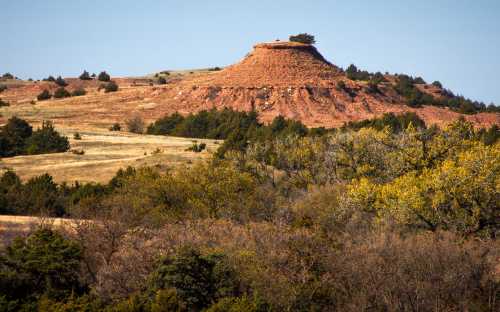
(61, 93)
(46, 140)
(85, 76)
(44, 95)
(437, 84)
(198, 280)
(8, 76)
(14, 135)
(303, 38)
(165, 125)
(44, 263)
(61, 82)
(103, 76)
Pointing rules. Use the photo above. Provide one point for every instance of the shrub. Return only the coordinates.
(197, 148)
(115, 127)
(103, 76)
(217, 68)
(50, 78)
(77, 136)
(3, 103)
(135, 124)
(78, 92)
(46, 140)
(8, 76)
(2, 88)
(303, 38)
(61, 82)
(353, 73)
(78, 152)
(162, 80)
(44, 95)
(110, 87)
(372, 87)
(437, 84)
(341, 86)
(85, 76)
(61, 93)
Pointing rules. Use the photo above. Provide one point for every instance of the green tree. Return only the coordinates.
(103, 76)
(13, 137)
(42, 264)
(198, 280)
(61, 93)
(61, 82)
(303, 38)
(46, 140)
(44, 95)
(85, 76)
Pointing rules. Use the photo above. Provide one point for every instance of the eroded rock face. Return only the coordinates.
(296, 81)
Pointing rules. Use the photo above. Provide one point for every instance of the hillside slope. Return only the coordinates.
(279, 78)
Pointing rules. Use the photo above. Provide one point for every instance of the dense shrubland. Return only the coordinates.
(386, 214)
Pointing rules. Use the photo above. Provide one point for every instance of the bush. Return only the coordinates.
(103, 76)
(61, 82)
(2, 88)
(3, 103)
(78, 92)
(77, 136)
(61, 93)
(437, 84)
(135, 124)
(110, 87)
(341, 86)
(303, 38)
(44, 95)
(85, 76)
(50, 78)
(162, 81)
(353, 73)
(115, 127)
(8, 76)
(197, 148)
(46, 140)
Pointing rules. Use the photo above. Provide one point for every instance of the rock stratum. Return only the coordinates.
(296, 81)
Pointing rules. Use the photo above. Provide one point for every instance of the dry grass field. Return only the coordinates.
(104, 153)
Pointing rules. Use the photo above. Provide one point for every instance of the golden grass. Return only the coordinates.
(105, 153)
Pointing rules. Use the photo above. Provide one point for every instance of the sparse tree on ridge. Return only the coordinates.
(103, 76)
(303, 38)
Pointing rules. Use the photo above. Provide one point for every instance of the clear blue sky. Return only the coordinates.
(454, 41)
